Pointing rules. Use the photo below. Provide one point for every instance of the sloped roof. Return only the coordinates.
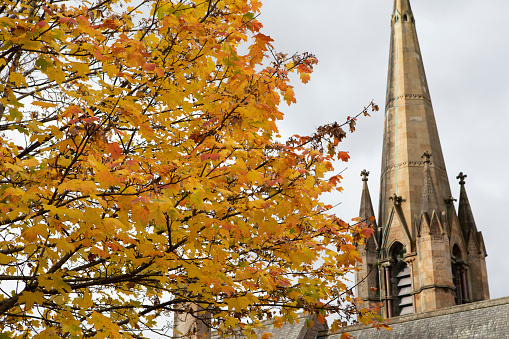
(487, 319)
(297, 330)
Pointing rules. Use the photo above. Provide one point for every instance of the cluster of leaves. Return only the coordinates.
(140, 171)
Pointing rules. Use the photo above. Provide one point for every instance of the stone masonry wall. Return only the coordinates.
(485, 319)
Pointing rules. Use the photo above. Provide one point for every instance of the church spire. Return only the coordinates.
(417, 223)
(410, 126)
(366, 211)
(465, 216)
(367, 273)
(406, 70)
(402, 6)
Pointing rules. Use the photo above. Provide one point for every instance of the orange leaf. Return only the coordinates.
(149, 67)
(72, 110)
(343, 156)
(305, 77)
(114, 150)
(212, 157)
(159, 72)
(99, 56)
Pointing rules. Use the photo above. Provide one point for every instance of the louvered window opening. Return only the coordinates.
(403, 282)
(456, 282)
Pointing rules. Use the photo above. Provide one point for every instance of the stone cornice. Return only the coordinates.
(410, 164)
(427, 287)
(407, 97)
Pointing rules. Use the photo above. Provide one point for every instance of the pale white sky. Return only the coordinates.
(465, 48)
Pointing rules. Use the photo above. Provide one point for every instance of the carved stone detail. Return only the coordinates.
(407, 96)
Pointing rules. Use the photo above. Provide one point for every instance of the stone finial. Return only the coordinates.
(462, 178)
(427, 157)
(364, 175)
(396, 199)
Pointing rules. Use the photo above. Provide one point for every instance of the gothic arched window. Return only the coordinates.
(459, 277)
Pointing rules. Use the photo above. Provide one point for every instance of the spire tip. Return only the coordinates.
(462, 178)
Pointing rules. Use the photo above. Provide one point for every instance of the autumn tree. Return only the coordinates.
(141, 170)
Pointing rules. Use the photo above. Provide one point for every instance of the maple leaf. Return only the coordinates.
(149, 66)
(343, 156)
(114, 150)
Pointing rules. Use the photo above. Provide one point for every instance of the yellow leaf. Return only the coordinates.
(305, 77)
(31, 298)
(44, 104)
(30, 162)
(18, 79)
(56, 74)
(5, 259)
(81, 68)
(85, 187)
(114, 225)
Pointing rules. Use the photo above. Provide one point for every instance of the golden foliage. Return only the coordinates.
(141, 170)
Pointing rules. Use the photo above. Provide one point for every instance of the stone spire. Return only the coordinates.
(410, 127)
(402, 6)
(418, 226)
(366, 210)
(429, 208)
(367, 272)
(476, 249)
(465, 216)
(429, 200)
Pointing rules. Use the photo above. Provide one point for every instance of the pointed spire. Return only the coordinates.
(402, 6)
(465, 216)
(366, 275)
(429, 200)
(366, 211)
(410, 127)
(406, 59)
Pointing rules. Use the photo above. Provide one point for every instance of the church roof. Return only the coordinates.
(296, 330)
(480, 320)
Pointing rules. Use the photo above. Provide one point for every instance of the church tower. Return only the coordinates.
(428, 256)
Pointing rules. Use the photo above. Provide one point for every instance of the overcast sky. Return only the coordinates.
(465, 48)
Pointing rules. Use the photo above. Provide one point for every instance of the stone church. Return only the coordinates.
(426, 260)
(429, 255)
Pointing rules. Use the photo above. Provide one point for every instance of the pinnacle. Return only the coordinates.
(429, 200)
(402, 6)
(366, 210)
(465, 215)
